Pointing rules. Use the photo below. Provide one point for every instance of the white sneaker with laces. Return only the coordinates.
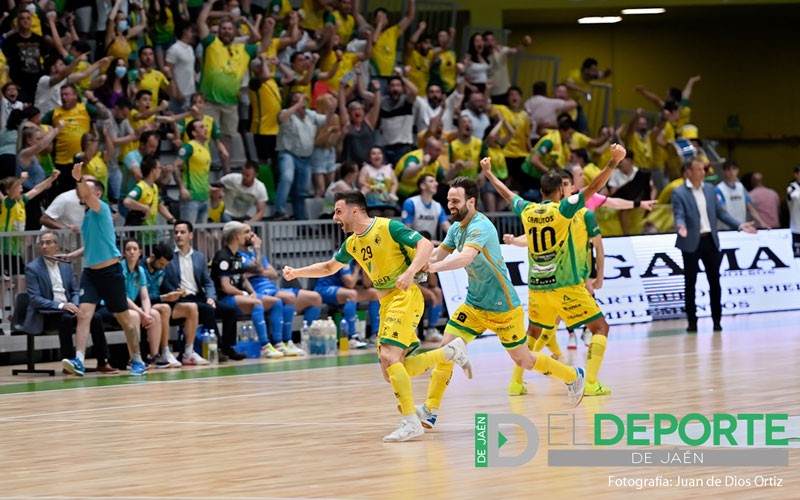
(356, 343)
(409, 428)
(456, 351)
(195, 359)
(291, 347)
(269, 352)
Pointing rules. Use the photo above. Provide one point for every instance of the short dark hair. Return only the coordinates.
(379, 9)
(687, 164)
(550, 183)
(147, 135)
(670, 106)
(351, 197)
(582, 154)
(148, 163)
(470, 187)
(252, 165)
(796, 168)
(145, 47)
(141, 93)
(162, 251)
(190, 128)
(565, 122)
(675, 94)
(540, 88)
(131, 240)
(98, 186)
(185, 222)
(589, 62)
(515, 88)
(393, 78)
(422, 179)
(729, 164)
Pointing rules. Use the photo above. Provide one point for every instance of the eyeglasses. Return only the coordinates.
(45, 243)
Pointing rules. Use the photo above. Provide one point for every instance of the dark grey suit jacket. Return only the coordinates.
(687, 214)
(40, 291)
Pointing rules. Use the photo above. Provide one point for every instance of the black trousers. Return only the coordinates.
(65, 323)
(708, 252)
(207, 317)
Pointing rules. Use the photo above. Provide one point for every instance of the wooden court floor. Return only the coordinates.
(312, 428)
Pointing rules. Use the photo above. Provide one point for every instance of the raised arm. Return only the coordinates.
(409, 17)
(617, 155)
(202, 21)
(502, 189)
(687, 90)
(650, 96)
(375, 111)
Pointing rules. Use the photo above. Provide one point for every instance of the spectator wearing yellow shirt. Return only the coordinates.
(345, 22)
(580, 157)
(517, 142)
(216, 204)
(638, 139)
(419, 56)
(385, 39)
(444, 69)
(579, 83)
(681, 98)
(95, 162)
(152, 79)
(466, 152)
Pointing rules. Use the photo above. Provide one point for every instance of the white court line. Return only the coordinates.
(326, 423)
(85, 497)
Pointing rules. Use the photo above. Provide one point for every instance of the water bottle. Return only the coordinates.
(314, 337)
(204, 339)
(304, 336)
(330, 347)
(252, 336)
(344, 340)
(241, 333)
(213, 353)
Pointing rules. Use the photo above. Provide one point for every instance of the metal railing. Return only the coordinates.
(528, 69)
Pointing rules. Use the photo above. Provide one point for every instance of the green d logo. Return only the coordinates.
(489, 440)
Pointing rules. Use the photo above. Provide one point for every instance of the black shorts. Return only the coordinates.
(107, 284)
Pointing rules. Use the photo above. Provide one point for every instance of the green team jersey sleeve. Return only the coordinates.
(136, 193)
(569, 206)
(544, 147)
(185, 152)
(252, 50)
(404, 234)
(518, 205)
(592, 228)
(215, 133)
(343, 256)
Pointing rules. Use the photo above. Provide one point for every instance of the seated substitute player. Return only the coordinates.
(294, 299)
(555, 280)
(340, 290)
(391, 255)
(491, 303)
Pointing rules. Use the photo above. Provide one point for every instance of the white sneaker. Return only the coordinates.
(426, 417)
(283, 348)
(356, 343)
(194, 359)
(170, 358)
(572, 343)
(456, 351)
(409, 428)
(269, 352)
(586, 337)
(433, 335)
(576, 387)
(290, 346)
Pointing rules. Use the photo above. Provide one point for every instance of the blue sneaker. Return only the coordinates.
(426, 417)
(73, 366)
(138, 368)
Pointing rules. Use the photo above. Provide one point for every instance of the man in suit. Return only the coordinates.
(697, 210)
(53, 295)
(189, 271)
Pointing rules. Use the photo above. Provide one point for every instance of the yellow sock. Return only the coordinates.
(516, 373)
(553, 346)
(597, 348)
(552, 368)
(416, 365)
(401, 383)
(440, 379)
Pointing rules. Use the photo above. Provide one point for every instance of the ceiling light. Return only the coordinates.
(633, 12)
(600, 20)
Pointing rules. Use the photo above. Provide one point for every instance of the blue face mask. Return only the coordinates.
(120, 71)
(122, 25)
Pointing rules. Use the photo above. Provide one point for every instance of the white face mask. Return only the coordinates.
(236, 12)
(31, 8)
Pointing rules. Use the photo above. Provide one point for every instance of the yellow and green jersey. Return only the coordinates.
(146, 195)
(498, 157)
(384, 251)
(12, 217)
(384, 53)
(265, 103)
(345, 26)
(77, 121)
(223, 69)
(407, 187)
(444, 71)
(165, 32)
(555, 254)
(641, 148)
(554, 154)
(489, 287)
(196, 166)
(346, 65)
(215, 213)
(584, 228)
(473, 151)
(420, 66)
(517, 146)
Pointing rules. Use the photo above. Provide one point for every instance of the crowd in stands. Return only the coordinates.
(333, 101)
